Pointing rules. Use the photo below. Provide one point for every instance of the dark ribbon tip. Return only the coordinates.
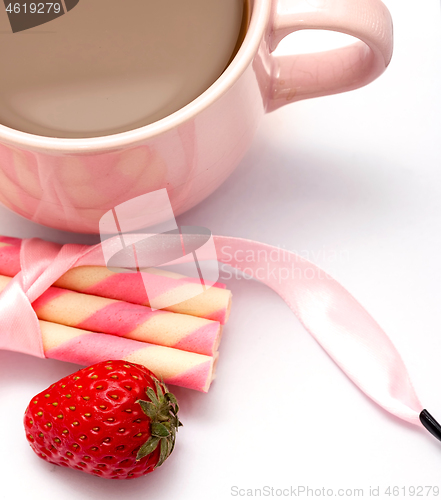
(430, 424)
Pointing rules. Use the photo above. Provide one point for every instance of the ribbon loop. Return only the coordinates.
(42, 263)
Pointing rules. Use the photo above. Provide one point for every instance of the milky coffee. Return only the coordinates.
(109, 66)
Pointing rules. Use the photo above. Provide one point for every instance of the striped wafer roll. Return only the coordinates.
(176, 367)
(136, 322)
(214, 303)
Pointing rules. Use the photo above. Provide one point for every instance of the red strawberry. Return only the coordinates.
(114, 419)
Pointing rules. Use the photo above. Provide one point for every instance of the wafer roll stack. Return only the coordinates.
(176, 367)
(92, 314)
(132, 321)
(214, 304)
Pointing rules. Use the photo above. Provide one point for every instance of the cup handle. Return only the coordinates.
(312, 75)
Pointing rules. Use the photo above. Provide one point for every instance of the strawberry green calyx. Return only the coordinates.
(162, 409)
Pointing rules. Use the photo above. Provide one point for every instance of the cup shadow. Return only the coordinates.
(299, 188)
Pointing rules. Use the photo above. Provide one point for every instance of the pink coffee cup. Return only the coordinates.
(69, 184)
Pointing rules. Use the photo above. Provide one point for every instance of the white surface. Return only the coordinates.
(353, 182)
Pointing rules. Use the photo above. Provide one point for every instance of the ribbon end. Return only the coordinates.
(430, 424)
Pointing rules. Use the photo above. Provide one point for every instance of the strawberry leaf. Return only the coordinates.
(159, 430)
(173, 440)
(147, 448)
(152, 396)
(170, 397)
(148, 408)
(159, 392)
(164, 452)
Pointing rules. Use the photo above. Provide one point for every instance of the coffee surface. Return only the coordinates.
(109, 66)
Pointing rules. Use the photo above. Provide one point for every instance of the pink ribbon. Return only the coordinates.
(42, 263)
(334, 318)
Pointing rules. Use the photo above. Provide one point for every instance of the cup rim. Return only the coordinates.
(258, 22)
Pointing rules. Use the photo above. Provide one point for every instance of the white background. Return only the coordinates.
(352, 182)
